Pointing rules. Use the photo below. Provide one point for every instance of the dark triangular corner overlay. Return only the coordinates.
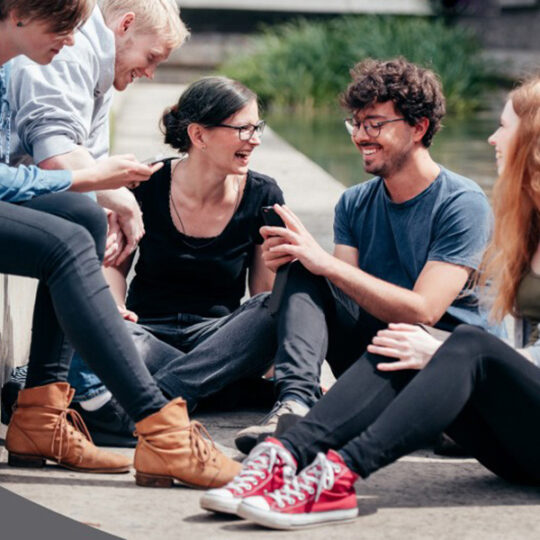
(21, 519)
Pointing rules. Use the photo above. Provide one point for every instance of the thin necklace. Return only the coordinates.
(199, 245)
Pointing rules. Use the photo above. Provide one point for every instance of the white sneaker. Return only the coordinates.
(247, 438)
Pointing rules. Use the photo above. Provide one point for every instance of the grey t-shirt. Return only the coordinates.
(450, 221)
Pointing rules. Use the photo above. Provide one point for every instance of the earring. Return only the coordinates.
(203, 146)
(20, 24)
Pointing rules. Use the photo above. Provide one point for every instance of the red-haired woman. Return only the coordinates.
(481, 391)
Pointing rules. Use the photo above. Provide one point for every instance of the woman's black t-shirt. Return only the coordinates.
(176, 273)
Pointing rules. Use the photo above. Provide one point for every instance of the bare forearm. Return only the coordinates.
(117, 282)
(434, 290)
(385, 301)
(261, 279)
(261, 283)
(118, 200)
(77, 161)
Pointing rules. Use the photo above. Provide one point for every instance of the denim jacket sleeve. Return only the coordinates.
(22, 183)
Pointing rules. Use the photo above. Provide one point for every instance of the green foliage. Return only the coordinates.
(305, 64)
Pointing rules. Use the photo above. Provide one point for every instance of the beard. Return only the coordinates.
(391, 165)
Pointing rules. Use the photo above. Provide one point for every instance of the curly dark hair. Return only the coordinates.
(415, 91)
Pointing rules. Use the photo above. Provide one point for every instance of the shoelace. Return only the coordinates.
(274, 410)
(261, 461)
(280, 408)
(60, 443)
(320, 475)
(201, 443)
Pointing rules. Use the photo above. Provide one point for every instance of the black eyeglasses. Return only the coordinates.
(245, 133)
(373, 129)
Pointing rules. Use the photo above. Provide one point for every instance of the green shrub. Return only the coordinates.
(305, 64)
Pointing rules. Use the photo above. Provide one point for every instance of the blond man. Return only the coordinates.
(62, 109)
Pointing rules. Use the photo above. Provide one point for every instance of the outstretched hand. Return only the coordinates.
(284, 244)
(409, 344)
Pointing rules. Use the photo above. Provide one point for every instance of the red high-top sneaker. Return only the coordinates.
(322, 493)
(266, 469)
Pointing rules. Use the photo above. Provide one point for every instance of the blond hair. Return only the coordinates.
(161, 17)
(516, 199)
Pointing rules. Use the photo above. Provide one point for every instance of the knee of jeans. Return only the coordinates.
(258, 301)
(466, 344)
(74, 243)
(469, 335)
(89, 215)
(258, 306)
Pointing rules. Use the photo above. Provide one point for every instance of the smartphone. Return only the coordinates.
(270, 217)
(152, 160)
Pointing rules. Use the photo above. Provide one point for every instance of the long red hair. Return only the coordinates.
(516, 204)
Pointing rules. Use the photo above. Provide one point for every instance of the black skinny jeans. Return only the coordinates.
(476, 388)
(55, 238)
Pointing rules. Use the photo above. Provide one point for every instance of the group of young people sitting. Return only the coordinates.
(413, 248)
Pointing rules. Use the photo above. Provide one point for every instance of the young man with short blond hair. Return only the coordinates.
(62, 109)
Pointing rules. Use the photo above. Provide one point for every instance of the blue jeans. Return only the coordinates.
(193, 356)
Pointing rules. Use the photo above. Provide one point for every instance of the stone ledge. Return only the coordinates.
(17, 296)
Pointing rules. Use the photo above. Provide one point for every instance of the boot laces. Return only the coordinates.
(259, 463)
(320, 475)
(202, 445)
(67, 422)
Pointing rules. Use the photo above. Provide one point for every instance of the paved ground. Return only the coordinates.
(419, 497)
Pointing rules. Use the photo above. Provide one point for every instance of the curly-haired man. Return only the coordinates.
(406, 242)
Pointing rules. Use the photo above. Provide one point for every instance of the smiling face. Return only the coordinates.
(504, 135)
(138, 55)
(388, 152)
(224, 149)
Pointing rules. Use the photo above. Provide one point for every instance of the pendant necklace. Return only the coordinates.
(202, 244)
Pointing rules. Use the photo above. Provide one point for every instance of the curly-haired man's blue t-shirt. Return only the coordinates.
(450, 221)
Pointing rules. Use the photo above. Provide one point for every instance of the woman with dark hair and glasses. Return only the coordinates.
(202, 214)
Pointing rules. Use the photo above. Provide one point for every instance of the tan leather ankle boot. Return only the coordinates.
(170, 447)
(42, 427)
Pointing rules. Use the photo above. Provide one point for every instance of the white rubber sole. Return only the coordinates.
(277, 520)
(219, 504)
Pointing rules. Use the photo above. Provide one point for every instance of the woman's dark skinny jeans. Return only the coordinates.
(56, 238)
(476, 388)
